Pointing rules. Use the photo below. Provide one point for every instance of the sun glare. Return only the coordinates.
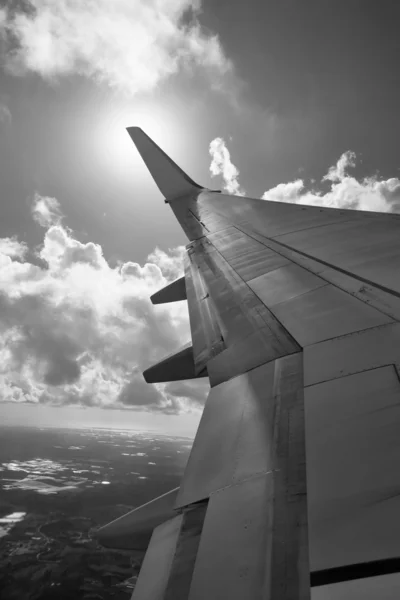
(114, 144)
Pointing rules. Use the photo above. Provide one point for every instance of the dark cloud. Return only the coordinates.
(194, 390)
(62, 370)
(138, 394)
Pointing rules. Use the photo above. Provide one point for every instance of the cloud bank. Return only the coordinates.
(131, 45)
(345, 190)
(77, 331)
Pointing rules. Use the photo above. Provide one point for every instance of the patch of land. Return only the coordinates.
(57, 487)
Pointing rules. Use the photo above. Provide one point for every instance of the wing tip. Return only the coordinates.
(171, 180)
(134, 129)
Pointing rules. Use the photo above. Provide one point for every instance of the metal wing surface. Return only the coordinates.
(293, 476)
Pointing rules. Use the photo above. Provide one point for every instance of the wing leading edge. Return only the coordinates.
(292, 477)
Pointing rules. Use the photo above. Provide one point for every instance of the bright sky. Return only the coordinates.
(286, 100)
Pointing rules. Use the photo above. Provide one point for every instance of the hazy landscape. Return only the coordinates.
(57, 487)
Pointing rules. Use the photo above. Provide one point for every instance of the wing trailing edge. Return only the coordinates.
(133, 530)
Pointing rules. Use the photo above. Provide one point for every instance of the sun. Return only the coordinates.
(114, 145)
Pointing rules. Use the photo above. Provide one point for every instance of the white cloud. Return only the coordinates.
(345, 191)
(80, 332)
(11, 247)
(131, 45)
(46, 211)
(285, 192)
(170, 264)
(338, 172)
(221, 164)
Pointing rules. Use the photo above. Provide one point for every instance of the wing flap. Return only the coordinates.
(174, 368)
(133, 530)
(174, 292)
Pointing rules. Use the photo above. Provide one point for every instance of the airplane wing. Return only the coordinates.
(292, 488)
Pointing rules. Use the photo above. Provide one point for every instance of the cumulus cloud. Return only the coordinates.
(221, 164)
(345, 190)
(171, 263)
(285, 192)
(78, 331)
(131, 45)
(195, 389)
(11, 247)
(339, 171)
(46, 211)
